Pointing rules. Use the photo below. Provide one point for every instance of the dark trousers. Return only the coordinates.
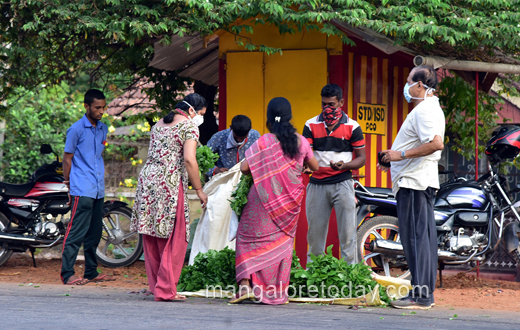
(419, 237)
(85, 227)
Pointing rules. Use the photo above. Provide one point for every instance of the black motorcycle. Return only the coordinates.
(34, 215)
(469, 216)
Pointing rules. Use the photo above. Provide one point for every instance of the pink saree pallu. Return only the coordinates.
(267, 226)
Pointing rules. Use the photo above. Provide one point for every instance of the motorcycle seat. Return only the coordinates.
(15, 190)
(381, 191)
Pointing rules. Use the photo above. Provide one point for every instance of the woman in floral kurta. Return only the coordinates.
(161, 211)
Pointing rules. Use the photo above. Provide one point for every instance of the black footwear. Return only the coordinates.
(410, 303)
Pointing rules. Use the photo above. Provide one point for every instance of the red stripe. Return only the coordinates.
(356, 90)
(400, 98)
(380, 86)
(68, 227)
(238, 154)
(325, 172)
(389, 116)
(336, 72)
(222, 96)
(369, 179)
(357, 87)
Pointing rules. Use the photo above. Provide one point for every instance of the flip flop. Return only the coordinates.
(239, 299)
(78, 281)
(177, 298)
(102, 278)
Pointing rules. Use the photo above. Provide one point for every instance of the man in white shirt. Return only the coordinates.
(415, 179)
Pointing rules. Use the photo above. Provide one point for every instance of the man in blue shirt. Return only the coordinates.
(231, 144)
(84, 171)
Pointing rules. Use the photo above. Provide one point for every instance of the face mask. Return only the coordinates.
(331, 115)
(198, 120)
(406, 92)
(408, 97)
(217, 122)
(232, 143)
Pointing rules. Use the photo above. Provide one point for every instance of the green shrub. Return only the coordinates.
(33, 119)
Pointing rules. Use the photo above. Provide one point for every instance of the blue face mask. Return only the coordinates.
(406, 92)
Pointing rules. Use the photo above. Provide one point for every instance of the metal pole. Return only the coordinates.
(476, 143)
(476, 125)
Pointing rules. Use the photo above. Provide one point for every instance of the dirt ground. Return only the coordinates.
(19, 269)
(459, 290)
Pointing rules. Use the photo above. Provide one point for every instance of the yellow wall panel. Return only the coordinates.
(299, 76)
(245, 87)
(269, 35)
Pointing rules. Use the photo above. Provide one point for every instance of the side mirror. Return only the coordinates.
(46, 149)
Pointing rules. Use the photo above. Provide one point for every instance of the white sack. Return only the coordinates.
(213, 231)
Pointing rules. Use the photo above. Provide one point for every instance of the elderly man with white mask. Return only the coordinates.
(415, 179)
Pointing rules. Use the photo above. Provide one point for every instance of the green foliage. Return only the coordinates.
(51, 41)
(35, 119)
(218, 269)
(458, 102)
(325, 271)
(239, 195)
(213, 268)
(206, 159)
(124, 146)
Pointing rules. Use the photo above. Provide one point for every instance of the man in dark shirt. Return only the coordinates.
(231, 144)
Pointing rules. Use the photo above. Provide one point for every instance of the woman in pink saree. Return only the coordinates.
(267, 226)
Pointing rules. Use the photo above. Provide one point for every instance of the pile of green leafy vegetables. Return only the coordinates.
(326, 271)
(217, 268)
(206, 160)
(239, 196)
(213, 268)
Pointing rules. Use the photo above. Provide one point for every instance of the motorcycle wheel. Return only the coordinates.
(381, 227)
(5, 254)
(119, 246)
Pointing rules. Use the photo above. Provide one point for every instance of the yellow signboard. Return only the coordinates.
(372, 118)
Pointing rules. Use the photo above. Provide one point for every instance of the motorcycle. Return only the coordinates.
(33, 215)
(469, 215)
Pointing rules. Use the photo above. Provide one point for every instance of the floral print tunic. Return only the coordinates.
(157, 194)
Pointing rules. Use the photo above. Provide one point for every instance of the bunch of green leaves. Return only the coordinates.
(36, 118)
(457, 99)
(206, 159)
(213, 268)
(325, 271)
(239, 196)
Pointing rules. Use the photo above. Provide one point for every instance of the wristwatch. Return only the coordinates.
(402, 155)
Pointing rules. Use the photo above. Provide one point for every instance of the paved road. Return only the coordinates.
(60, 307)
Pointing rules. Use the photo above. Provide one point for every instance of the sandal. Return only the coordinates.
(77, 281)
(179, 297)
(101, 278)
(239, 298)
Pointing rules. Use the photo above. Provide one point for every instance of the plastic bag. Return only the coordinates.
(233, 226)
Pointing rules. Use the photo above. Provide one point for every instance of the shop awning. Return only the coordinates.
(197, 57)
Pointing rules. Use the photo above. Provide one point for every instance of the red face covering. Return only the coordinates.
(331, 115)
